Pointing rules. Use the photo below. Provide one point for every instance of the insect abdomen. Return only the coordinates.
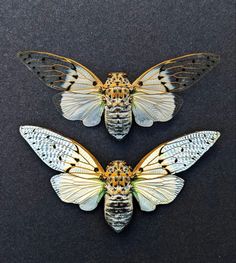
(118, 121)
(118, 210)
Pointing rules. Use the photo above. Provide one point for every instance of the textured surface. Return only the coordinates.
(118, 210)
(155, 183)
(85, 181)
(110, 36)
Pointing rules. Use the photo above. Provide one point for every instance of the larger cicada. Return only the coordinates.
(149, 98)
(83, 181)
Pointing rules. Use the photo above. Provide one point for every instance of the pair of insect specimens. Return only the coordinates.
(150, 98)
(83, 181)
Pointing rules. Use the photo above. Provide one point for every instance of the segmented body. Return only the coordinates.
(118, 120)
(118, 210)
(118, 111)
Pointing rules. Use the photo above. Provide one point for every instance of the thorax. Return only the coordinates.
(117, 90)
(118, 178)
(117, 97)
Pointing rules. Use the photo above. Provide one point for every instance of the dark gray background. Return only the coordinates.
(110, 36)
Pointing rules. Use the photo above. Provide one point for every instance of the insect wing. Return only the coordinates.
(148, 108)
(59, 72)
(87, 107)
(152, 192)
(77, 190)
(176, 74)
(79, 183)
(156, 183)
(80, 85)
(152, 100)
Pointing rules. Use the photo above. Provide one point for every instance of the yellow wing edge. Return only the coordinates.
(170, 61)
(64, 59)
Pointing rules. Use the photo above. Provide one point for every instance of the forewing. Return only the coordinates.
(152, 98)
(60, 73)
(175, 74)
(155, 181)
(81, 99)
(80, 184)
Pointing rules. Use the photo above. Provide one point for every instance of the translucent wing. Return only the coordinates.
(152, 100)
(59, 72)
(78, 83)
(176, 74)
(80, 183)
(155, 181)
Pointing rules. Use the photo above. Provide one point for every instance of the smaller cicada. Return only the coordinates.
(150, 98)
(84, 182)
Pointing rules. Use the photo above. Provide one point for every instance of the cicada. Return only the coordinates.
(150, 98)
(83, 181)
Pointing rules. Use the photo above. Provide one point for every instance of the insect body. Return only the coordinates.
(118, 207)
(118, 108)
(84, 182)
(150, 98)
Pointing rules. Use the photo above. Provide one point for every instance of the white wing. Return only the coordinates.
(84, 107)
(152, 100)
(153, 192)
(73, 189)
(80, 184)
(148, 108)
(155, 183)
(81, 99)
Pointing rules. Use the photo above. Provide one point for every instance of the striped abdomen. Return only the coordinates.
(118, 210)
(118, 120)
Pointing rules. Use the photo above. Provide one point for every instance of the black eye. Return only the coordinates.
(125, 75)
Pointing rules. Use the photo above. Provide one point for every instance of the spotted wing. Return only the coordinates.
(153, 100)
(81, 98)
(155, 181)
(79, 183)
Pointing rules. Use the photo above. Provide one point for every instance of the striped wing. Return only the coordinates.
(81, 98)
(153, 100)
(155, 181)
(79, 183)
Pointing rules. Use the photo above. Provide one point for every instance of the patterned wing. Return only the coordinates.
(152, 100)
(81, 99)
(155, 181)
(79, 183)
